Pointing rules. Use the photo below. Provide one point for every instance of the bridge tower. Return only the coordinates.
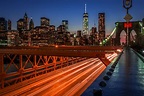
(143, 22)
(120, 26)
(143, 25)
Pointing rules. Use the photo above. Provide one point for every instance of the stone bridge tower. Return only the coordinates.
(134, 25)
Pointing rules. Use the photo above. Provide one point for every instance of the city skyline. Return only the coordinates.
(71, 10)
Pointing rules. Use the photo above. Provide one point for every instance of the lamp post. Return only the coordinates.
(127, 4)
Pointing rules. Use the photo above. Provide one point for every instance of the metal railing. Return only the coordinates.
(15, 68)
(21, 64)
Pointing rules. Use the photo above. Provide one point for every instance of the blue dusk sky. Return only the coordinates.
(71, 10)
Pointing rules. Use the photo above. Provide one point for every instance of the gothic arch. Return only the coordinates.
(120, 27)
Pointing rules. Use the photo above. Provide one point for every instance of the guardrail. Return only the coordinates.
(15, 68)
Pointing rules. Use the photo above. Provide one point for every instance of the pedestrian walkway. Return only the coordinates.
(127, 79)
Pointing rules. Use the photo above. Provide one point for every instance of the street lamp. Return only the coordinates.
(127, 4)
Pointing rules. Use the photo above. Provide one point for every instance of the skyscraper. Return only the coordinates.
(65, 23)
(61, 28)
(26, 21)
(31, 24)
(52, 28)
(79, 33)
(9, 25)
(3, 24)
(22, 24)
(101, 25)
(45, 22)
(85, 23)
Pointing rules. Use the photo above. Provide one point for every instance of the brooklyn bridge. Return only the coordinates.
(71, 71)
(64, 70)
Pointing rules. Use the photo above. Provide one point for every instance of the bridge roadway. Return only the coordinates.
(68, 81)
(127, 78)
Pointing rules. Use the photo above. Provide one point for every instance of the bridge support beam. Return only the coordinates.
(104, 60)
(1, 71)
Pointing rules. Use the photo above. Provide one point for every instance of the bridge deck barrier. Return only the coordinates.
(18, 65)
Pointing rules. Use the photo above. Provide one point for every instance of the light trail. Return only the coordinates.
(60, 80)
(67, 81)
(67, 84)
(53, 76)
(79, 86)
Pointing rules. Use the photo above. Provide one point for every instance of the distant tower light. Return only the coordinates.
(85, 8)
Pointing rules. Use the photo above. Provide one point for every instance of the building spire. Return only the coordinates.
(85, 8)
(94, 23)
(25, 15)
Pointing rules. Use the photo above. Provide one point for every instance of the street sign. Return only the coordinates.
(128, 17)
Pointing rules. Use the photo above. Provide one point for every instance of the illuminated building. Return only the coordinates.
(3, 24)
(93, 30)
(13, 38)
(78, 37)
(101, 25)
(3, 38)
(85, 23)
(72, 39)
(65, 23)
(39, 35)
(26, 21)
(94, 36)
(31, 24)
(79, 33)
(61, 28)
(61, 34)
(22, 24)
(9, 25)
(52, 28)
(45, 22)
